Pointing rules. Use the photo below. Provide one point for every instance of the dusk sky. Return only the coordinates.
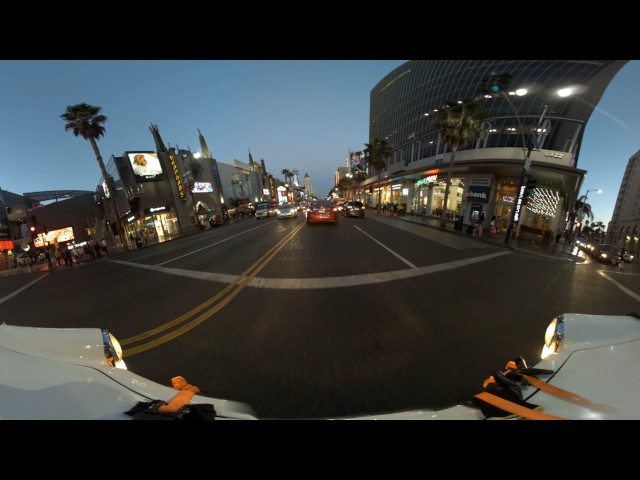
(303, 115)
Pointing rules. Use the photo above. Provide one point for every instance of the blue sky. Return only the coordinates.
(303, 115)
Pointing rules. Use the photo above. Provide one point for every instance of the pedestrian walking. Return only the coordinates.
(493, 230)
(103, 245)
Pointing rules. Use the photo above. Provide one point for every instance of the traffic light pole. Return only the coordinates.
(526, 151)
(514, 218)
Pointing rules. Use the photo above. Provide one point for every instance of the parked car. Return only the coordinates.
(266, 210)
(627, 257)
(589, 371)
(79, 374)
(287, 211)
(353, 209)
(322, 211)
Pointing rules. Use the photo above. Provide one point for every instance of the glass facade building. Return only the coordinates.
(561, 95)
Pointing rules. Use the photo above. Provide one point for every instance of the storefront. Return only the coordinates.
(429, 192)
(504, 202)
(152, 225)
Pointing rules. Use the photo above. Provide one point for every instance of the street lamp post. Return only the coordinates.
(514, 217)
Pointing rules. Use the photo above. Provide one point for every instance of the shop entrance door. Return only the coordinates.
(503, 214)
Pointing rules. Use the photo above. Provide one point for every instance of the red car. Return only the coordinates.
(322, 211)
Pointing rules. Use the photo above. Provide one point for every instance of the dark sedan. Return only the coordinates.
(353, 209)
(607, 254)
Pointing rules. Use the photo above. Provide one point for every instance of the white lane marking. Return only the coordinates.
(13, 294)
(402, 259)
(321, 282)
(213, 244)
(621, 287)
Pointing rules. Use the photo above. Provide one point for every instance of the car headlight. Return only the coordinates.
(603, 255)
(553, 337)
(112, 350)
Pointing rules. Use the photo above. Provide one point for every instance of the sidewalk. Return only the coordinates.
(559, 251)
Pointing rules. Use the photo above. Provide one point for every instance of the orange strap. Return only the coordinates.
(564, 394)
(514, 408)
(186, 392)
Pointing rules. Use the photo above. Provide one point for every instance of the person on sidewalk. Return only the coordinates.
(103, 245)
(493, 230)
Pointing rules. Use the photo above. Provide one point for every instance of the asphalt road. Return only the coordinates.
(315, 321)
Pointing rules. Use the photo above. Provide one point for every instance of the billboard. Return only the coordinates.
(202, 187)
(146, 166)
(60, 235)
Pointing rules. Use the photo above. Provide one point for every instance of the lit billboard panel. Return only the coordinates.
(202, 187)
(146, 166)
(61, 235)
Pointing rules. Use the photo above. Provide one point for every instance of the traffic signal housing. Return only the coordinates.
(499, 82)
(529, 189)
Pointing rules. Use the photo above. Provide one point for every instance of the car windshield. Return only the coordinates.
(314, 239)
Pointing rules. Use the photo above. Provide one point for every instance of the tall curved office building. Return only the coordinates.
(548, 114)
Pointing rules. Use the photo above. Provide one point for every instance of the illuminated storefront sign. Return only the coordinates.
(429, 179)
(272, 187)
(516, 214)
(105, 188)
(397, 186)
(152, 210)
(479, 194)
(176, 174)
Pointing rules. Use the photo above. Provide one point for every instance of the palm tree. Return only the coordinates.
(463, 122)
(581, 208)
(377, 152)
(287, 175)
(85, 120)
(345, 185)
(358, 175)
(598, 229)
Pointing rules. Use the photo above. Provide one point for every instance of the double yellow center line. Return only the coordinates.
(217, 303)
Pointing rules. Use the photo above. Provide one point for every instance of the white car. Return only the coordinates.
(287, 211)
(589, 371)
(79, 374)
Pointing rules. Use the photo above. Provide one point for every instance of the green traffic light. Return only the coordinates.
(495, 88)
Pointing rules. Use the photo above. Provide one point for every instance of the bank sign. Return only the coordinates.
(478, 194)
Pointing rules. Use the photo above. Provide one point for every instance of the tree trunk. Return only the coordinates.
(112, 190)
(443, 218)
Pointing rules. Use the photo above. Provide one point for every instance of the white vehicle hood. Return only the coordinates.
(61, 374)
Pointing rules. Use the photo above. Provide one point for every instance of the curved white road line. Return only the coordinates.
(633, 295)
(320, 282)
